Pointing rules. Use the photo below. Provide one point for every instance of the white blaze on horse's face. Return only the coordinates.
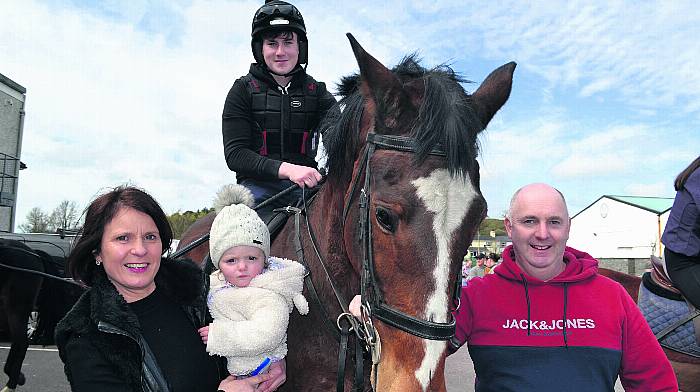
(449, 199)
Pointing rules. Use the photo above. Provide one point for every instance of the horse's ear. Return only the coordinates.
(384, 92)
(493, 92)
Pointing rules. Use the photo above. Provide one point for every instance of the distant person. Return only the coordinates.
(135, 328)
(546, 321)
(682, 234)
(466, 266)
(479, 270)
(252, 293)
(271, 116)
(491, 263)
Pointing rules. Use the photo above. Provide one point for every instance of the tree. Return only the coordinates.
(65, 216)
(490, 224)
(37, 221)
(180, 221)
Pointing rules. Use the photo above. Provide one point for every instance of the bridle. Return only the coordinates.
(371, 293)
(374, 305)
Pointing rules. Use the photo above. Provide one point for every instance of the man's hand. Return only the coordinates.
(303, 176)
(355, 305)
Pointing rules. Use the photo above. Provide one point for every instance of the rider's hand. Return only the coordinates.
(303, 176)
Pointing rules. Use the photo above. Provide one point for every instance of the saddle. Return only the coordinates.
(658, 283)
(658, 279)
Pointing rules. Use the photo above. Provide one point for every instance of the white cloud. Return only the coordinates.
(658, 189)
(607, 152)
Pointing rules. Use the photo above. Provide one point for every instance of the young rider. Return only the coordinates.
(271, 116)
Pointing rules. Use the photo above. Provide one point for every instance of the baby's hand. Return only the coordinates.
(204, 333)
(355, 306)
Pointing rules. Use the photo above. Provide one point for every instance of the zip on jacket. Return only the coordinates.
(152, 378)
(285, 99)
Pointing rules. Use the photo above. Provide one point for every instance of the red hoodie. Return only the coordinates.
(575, 332)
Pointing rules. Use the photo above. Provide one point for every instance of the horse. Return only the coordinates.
(22, 292)
(18, 294)
(686, 367)
(399, 207)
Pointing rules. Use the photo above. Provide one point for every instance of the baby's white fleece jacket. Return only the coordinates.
(250, 323)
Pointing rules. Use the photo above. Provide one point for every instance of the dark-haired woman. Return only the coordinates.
(135, 329)
(682, 234)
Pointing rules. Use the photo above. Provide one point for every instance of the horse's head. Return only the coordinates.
(418, 176)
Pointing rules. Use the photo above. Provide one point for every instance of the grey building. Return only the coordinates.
(12, 100)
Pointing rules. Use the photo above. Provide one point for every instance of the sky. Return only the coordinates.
(605, 98)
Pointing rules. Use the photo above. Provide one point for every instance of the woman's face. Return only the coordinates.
(130, 253)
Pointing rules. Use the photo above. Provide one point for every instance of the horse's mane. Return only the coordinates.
(445, 118)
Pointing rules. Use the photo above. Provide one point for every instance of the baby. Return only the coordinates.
(252, 294)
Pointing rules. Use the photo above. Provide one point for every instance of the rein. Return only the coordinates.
(374, 305)
(35, 272)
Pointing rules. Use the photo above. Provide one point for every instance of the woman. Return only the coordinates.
(682, 234)
(135, 329)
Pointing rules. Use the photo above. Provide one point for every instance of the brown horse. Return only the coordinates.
(402, 191)
(686, 367)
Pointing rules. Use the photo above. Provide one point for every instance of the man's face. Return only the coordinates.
(538, 225)
(480, 262)
(281, 53)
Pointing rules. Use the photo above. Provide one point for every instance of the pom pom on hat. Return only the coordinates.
(233, 194)
(236, 223)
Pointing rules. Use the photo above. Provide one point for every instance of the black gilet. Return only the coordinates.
(287, 117)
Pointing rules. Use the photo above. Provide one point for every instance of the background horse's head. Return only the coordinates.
(423, 208)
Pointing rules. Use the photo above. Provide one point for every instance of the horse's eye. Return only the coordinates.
(386, 220)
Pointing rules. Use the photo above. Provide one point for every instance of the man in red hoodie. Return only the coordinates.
(546, 321)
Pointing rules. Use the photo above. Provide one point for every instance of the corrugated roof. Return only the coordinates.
(657, 205)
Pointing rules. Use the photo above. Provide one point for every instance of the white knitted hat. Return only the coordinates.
(236, 223)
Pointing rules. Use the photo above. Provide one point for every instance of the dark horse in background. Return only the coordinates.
(21, 293)
(686, 367)
(422, 210)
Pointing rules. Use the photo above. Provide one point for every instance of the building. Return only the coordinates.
(488, 244)
(12, 101)
(622, 232)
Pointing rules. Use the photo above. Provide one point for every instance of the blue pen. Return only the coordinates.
(262, 367)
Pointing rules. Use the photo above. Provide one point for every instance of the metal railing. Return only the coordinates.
(9, 166)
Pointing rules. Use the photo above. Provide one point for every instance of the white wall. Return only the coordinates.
(611, 229)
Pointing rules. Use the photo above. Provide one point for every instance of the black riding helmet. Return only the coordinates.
(281, 16)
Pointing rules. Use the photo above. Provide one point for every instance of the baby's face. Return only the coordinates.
(241, 264)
